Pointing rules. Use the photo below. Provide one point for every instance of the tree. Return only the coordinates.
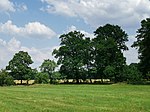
(108, 46)
(70, 55)
(48, 66)
(5, 78)
(19, 66)
(143, 46)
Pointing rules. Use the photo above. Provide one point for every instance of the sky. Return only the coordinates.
(34, 26)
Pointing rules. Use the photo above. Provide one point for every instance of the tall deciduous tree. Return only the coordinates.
(19, 66)
(143, 46)
(48, 66)
(108, 45)
(70, 55)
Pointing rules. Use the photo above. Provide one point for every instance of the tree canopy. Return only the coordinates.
(70, 55)
(81, 57)
(108, 46)
(48, 66)
(143, 46)
(19, 66)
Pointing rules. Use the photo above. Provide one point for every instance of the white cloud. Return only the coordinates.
(8, 49)
(132, 54)
(73, 28)
(60, 7)
(21, 7)
(127, 13)
(6, 5)
(2, 42)
(32, 30)
(13, 45)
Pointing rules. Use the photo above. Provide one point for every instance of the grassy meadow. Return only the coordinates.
(75, 98)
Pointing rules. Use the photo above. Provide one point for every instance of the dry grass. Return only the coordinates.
(24, 81)
(62, 81)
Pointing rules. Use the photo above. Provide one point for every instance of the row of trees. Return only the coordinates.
(100, 57)
(19, 69)
(82, 57)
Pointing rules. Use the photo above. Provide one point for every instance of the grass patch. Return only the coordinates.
(75, 98)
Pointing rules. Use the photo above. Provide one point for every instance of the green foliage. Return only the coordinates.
(5, 79)
(55, 77)
(115, 32)
(42, 78)
(30, 75)
(9, 81)
(71, 55)
(148, 76)
(48, 66)
(143, 46)
(19, 66)
(88, 59)
(82, 58)
(108, 46)
(132, 73)
(109, 72)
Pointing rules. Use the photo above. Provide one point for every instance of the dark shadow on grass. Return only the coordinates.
(140, 83)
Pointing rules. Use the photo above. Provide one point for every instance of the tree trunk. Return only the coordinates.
(77, 81)
(102, 80)
(91, 81)
(27, 82)
(21, 81)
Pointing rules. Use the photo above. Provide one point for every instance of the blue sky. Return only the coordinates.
(35, 25)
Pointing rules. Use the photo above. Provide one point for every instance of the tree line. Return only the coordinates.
(80, 57)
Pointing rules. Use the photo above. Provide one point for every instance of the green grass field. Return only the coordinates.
(75, 98)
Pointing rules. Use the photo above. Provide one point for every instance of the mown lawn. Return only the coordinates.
(75, 98)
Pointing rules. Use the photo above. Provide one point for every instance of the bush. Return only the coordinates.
(9, 81)
(55, 77)
(110, 72)
(5, 79)
(42, 78)
(148, 76)
(132, 74)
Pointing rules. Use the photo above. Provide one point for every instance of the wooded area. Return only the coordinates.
(86, 58)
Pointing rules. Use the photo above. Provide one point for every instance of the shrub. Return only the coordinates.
(148, 76)
(5, 79)
(9, 81)
(109, 72)
(132, 74)
(55, 77)
(42, 78)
